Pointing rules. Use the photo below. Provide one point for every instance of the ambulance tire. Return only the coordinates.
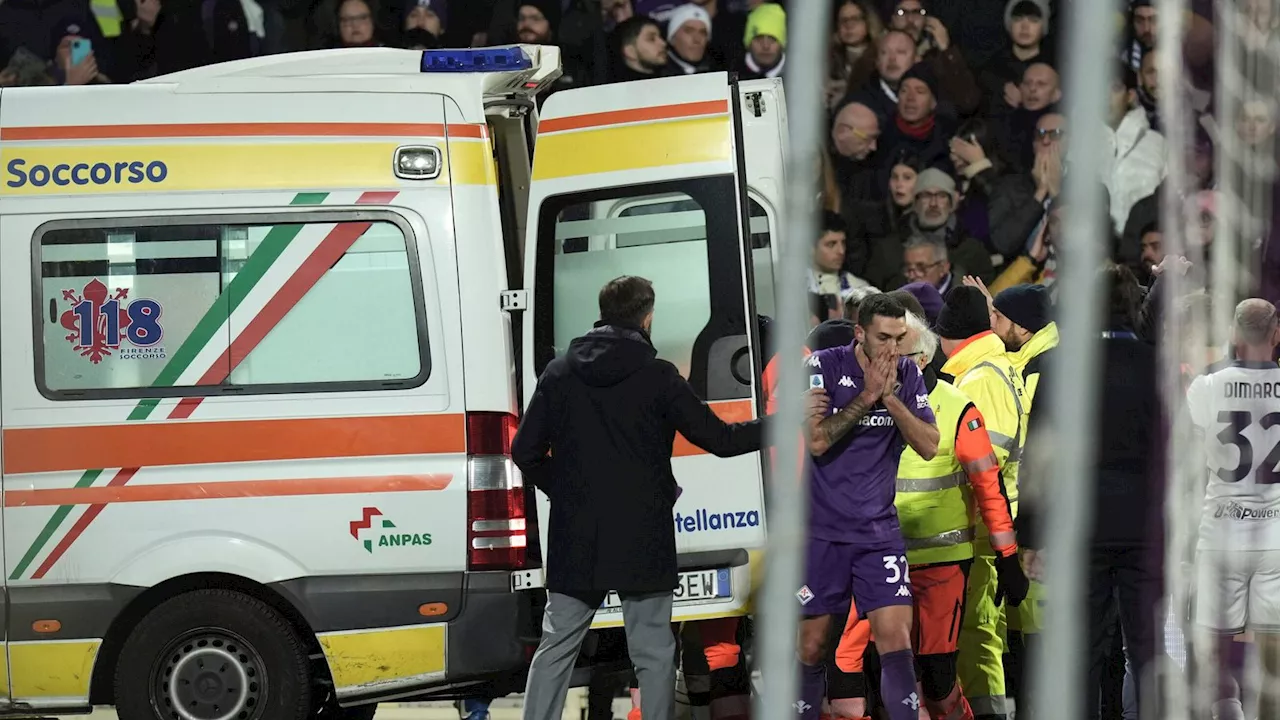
(213, 650)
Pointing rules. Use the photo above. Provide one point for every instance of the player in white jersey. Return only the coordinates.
(1237, 409)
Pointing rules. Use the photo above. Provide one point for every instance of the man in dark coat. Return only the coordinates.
(597, 439)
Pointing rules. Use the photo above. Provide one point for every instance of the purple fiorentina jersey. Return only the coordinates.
(851, 495)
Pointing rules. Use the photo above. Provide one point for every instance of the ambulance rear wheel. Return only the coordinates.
(213, 655)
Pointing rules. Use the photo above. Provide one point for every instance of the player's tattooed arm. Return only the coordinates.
(825, 432)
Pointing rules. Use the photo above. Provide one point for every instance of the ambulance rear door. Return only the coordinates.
(648, 178)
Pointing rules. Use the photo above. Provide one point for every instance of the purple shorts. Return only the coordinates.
(873, 576)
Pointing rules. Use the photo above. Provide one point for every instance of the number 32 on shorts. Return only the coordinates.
(897, 567)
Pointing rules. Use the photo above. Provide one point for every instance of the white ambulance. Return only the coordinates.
(266, 331)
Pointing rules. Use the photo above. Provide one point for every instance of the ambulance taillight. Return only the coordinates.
(497, 526)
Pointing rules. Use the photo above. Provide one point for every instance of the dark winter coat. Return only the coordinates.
(597, 439)
(1127, 496)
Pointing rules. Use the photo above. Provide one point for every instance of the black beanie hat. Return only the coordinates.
(1028, 305)
(550, 9)
(964, 314)
(923, 72)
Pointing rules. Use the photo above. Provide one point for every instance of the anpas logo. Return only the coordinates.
(702, 520)
(99, 323)
(381, 532)
(64, 174)
(1235, 511)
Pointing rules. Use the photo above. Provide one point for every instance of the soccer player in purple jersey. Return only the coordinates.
(855, 550)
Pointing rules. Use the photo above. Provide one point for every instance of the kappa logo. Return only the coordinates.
(904, 591)
(813, 361)
(805, 596)
(845, 381)
(912, 701)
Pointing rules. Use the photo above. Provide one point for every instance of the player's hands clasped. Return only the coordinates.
(882, 376)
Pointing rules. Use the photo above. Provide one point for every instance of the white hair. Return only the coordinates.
(926, 340)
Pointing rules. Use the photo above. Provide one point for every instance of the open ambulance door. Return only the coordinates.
(648, 178)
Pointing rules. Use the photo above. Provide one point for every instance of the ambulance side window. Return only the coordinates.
(682, 236)
(156, 308)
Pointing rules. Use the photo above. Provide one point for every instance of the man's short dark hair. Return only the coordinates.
(879, 305)
(832, 222)
(627, 300)
(628, 31)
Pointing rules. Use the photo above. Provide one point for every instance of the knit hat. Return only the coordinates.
(935, 180)
(684, 14)
(1012, 5)
(923, 72)
(963, 315)
(768, 19)
(929, 298)
(829, 334)
(550, 9)
(67, 26)
(1027, 305)
(438, 7)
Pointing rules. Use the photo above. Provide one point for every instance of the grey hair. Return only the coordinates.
(938, 247)
(1255, 321)
(926, 340)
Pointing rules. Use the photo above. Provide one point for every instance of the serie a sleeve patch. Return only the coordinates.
(974, 424)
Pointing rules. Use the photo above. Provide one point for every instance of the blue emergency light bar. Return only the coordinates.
(478, 60)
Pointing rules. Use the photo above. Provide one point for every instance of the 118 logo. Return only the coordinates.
(99, 322)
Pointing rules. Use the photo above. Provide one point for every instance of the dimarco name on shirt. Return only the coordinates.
(1251, 390)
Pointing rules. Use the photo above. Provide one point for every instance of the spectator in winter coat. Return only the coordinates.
(688, 34)
(727, 28)
(642, 53)
(933, 45)
(39, 26)
(1135, 164)
(766, 42)
(896, 53)
(885, 218)
(851, 61)
(1027, 24)
(158, 37)
(1040, 91)
(855, 135)
(85, 72)
(827, 275)
(932, 220)
(917, 128)
(1142, 32)
(999, 207)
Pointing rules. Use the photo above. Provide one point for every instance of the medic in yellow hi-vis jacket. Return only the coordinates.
(976, 358)
(1021, 318)
(936, 501)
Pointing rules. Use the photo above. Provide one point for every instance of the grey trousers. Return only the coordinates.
(650, 642)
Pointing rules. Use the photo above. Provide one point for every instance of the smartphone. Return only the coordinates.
(80, 49)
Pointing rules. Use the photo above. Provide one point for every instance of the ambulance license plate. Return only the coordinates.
(695, 586)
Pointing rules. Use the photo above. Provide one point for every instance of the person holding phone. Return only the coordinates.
(74, 59)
